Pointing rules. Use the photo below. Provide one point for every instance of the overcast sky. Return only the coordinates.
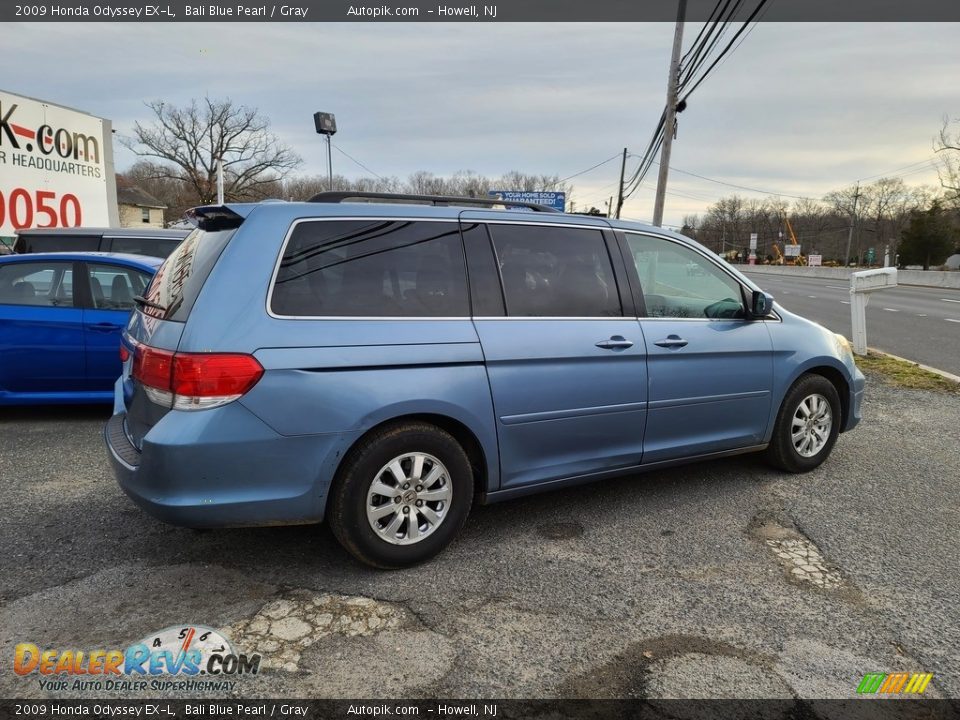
(799, 109)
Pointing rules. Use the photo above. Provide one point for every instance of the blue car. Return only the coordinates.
(384, 364)
(61, 315)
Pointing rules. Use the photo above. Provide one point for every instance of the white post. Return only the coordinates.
(219, 181)
(858, 310)
(861, 284)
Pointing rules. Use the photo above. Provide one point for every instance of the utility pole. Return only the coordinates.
(623, 169)
(853, 222)
(670, 121)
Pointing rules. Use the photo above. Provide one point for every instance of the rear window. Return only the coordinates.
(58, 242)
(372, 268)
(178, 282)
(155, 247)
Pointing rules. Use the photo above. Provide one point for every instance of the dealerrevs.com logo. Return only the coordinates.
(190, 657)
(49, 141)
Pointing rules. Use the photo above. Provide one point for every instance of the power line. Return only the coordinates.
(357, 161)
(584, 172)
(703, 52)
(740, 187)
(726, 50)
(890, 173)
(752, 28)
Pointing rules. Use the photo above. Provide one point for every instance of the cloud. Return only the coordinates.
(801, 108)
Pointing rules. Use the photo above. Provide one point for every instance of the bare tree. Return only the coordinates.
(187, 143)
(947, 147)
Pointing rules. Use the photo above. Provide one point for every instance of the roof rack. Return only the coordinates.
(443, 200)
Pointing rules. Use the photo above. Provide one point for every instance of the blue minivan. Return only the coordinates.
(385, 361)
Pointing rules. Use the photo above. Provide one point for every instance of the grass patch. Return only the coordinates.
(905, 374)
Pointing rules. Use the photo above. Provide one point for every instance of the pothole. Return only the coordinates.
(561, 530)
(799, 555)
(674, 666)
(282, 629)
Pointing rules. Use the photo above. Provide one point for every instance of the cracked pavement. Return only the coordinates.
(677, 583)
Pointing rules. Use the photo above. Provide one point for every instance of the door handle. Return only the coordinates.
(617, 342)
(671, 341)
(104, 327)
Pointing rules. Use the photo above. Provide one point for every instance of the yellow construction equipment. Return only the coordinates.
(799, 259)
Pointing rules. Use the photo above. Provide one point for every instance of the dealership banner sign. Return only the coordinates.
(56, 167)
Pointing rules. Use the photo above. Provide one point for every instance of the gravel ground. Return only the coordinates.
(678, 583)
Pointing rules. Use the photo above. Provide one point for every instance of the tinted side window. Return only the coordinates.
(59, 242)
(113, 287)
(155, 247)
(555, 271)
(679, 282)
(48, 283)
(372, 268)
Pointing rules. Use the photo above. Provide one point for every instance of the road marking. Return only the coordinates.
(811, 296)
(921, 315)
(891, 310)
(949, 300)
(838, 287)
(786, 292)
(844, 302)
(951, 320)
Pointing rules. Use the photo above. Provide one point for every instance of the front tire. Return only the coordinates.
(807, 425)
(401, 496)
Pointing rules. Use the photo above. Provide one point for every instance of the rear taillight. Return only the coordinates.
(124, 353)
(194, 381)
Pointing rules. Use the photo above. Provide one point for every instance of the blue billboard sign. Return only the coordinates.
(556, 200)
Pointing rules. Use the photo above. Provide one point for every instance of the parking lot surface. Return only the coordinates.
(725, 579)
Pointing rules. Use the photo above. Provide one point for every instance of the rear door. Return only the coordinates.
(711, 368)
(106, 308)
(565, 358)
(171, 294)
(41, 332)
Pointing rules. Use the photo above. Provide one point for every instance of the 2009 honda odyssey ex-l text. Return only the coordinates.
(384, 364)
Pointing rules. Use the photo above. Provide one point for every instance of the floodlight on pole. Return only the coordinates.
(326, 125)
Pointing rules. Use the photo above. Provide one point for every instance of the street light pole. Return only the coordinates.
(329, 166)
(670, 121)
(326, 124)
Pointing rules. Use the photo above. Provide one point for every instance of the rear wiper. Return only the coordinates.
(140, 300)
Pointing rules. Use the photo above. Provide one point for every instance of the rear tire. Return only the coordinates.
(807, 425)
(401, 496)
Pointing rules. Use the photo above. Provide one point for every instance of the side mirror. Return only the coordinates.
(761, 304)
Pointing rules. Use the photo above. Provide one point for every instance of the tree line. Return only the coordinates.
(887, 217)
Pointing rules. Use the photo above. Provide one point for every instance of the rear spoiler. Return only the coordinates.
(217, 217)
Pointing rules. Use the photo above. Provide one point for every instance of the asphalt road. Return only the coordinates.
(918, 323)
(679, 583)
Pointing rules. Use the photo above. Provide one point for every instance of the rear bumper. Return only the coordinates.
(856, 400)
(224, 468)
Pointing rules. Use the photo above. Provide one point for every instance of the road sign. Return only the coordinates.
(815, 260)
(56, 166)
(556, 200)
(792, 251)
(753, 241)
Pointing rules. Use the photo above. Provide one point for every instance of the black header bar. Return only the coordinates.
(533, 11)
